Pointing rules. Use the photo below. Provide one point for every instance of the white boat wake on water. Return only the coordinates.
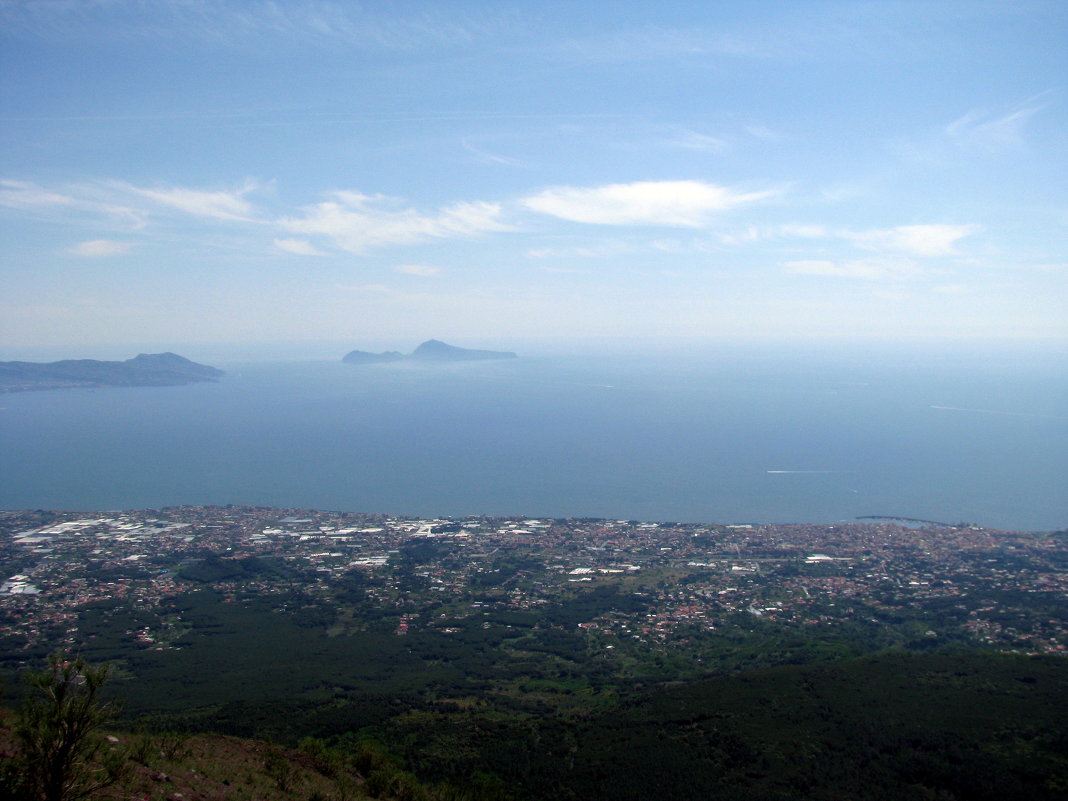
(804, 472)
(999, 411)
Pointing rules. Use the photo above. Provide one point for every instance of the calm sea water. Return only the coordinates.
(737, 436)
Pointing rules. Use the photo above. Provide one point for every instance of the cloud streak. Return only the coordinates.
(687, 204)
(422, 270)
(23, 194)
(298, 247)
(874, 269)
(355, 222)
(69, 202)
(99, 248)
(916, 240)
(219, 205)
(979, 128)
(692, 140)
(250, 24)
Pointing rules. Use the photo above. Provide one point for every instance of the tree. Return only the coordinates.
(63, 753)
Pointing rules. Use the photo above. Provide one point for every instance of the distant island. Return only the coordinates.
(432, 350)
(144, 370)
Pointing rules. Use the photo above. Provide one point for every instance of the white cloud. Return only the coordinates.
(803, 231)
(219, 205)
(487, 157)
(121, 200)
(599, 251)
(977, 133)
(761, 132)
(564, 270)
(354, 223)
(425, 270)
(90, 200)
(692, 140)
(750, 234)
(868, 269)
(685, 247)
(921, 241)
(99, 248)
(672, 203)
(378, 289)
(299, 247)
(255, 23)
(981, 129)
(915, 240)
(21, 194)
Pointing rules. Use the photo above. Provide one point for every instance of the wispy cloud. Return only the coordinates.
(563, 270)
(355, 222)
(423, 270)
(657, 42)
(692, 140)
(920, 241)
(689, 204)
(952, 289)
(978, 132)
(867, 269)
(374, 289)
(22, 194)
(983, 129)
(803, 231)
(83, 200)
(219, 204)
(486, 157)
(761, 131)
(598, 251)
(253, 23)
(916, 240)
(349, 221)
(99, 248)
(787, 32)
(132, 204)
(298, 247)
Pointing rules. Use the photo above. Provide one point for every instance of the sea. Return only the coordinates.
(728, 434)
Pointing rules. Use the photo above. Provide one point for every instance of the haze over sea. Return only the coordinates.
(735, 435)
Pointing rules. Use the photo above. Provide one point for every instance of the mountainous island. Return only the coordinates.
(144, 370)
(432, 350)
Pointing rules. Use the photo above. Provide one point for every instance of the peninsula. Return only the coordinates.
(431, 351)
(144, 370)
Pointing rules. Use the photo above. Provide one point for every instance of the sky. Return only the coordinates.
(303, 171)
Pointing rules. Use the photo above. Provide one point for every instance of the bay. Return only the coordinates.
(733, 435)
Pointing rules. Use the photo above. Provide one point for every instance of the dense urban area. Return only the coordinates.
(1001, 589)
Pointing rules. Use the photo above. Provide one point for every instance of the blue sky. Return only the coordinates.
(180, 171)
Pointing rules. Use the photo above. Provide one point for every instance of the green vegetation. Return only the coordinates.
(511, 711)
(320, 655)
(62, 755)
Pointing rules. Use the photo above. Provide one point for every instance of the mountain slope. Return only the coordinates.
(144, 370)
(431, 351)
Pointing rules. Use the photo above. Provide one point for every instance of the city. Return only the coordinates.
(920, 587)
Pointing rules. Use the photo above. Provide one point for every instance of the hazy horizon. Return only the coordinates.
(1039, 351)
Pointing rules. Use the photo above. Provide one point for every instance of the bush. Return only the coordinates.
(62, 754)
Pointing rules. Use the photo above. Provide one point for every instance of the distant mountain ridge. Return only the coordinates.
(432, 350)
(144, 370)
